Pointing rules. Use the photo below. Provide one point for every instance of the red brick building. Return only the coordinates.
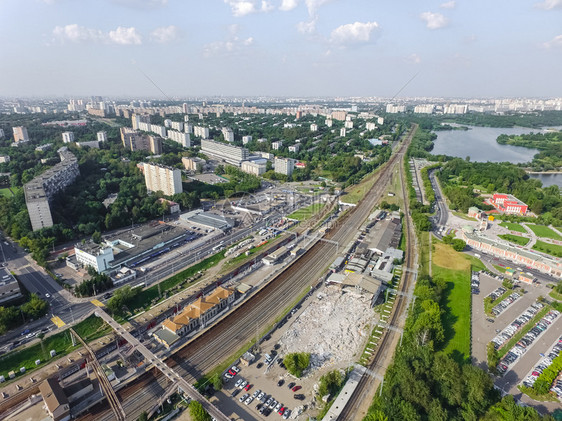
(508, 204)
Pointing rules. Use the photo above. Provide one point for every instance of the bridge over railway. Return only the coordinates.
(167, 371)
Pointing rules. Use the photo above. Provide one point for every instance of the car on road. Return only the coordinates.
(47, 295)
(294, 389)
(25, 332)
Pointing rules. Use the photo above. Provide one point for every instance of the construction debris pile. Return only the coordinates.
(332, 328)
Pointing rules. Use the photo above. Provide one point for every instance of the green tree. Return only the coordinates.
(458, 244)
(297, 362)
(197, 412)
(143, 416)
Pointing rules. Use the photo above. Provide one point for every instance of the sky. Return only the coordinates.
(304, 48)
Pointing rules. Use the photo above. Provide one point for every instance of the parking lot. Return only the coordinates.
(485, 329)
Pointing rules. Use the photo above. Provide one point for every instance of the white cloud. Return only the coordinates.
(549, 4)
(125, 36)
(232, 44)
(555, 42)
(165, 34)
(266, 6)
(140, 4)
(241, 7)
(77, 34)
(287, 5)
(353, 33)
(307, 27)
(449, 5)
(434, 20)
(314, 5)
(413, 58)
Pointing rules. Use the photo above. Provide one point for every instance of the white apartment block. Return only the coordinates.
(246, 139)
(455, 109)
(394, 109)
(162, 178)
(370, 125)
(168, 123)
(348, 124)
(424, 109)
(277, 145)
(284, 166)
(380, 120)
(343, 132)
(228, 134)
(177, 125)
(139, 118)
(102, 136)
(254, 167)
(4, 159)
(68, 137)
(159, 130)
(262, 140)
(188, 128)
(180, 137)
(294, 148)
(202, 132)
(314, 127)
(231, 154)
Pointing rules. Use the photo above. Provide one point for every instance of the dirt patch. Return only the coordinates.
(446, 257)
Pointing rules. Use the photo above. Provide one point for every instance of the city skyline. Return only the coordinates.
(167, 48)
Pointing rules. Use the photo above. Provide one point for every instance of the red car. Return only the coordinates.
(294, 389)
(281, 410)
(248, 387)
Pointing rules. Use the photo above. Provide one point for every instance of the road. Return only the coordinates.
(230, 334)
(441, 215)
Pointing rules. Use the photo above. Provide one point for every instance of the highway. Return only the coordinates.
(231, 333)
(388, 339)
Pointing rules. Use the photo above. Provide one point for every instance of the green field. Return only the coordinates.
(307, 212)
(89, 329)
(544, 231)
(454, 268)
(552, 249)
(522, 241)
(499, 268)
(513, 227)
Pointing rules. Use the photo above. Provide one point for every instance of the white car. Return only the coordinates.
(238, 382)
(249, 400)
(243, 384)
(47, 295)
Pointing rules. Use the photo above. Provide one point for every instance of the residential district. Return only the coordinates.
(258, 257)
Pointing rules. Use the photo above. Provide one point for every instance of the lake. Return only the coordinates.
(480, 144)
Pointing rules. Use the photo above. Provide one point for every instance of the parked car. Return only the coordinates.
(299, 397)
(280, 382)
(295, 388)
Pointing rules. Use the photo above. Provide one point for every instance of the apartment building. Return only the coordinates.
(102, 136)
(67, 137)
(136, 141)
(231, 154)
(202, 132)
(20, 134)
(284, 166)
(228, 134)
(246, 139)
(193, 164)
(314, 127)
(40, 191)
(139, 118)
(254, 167)
(162, 178)
(180, 137)
(9, 287)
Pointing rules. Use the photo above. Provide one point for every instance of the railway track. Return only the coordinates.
(230, 334)
(352, 409)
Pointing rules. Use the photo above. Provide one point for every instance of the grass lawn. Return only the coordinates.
(355, 193)
(544, 231)
(89, 329)
(499, 268)
(522, 241)
(6, 193)
(552, 249)
(307, 212)
(455, 268)
(555, 295)
(145, 297)
(513, 227)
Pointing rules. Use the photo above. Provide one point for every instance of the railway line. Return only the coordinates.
(230, 334)
(352, 409)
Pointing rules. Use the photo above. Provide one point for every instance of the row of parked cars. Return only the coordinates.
(495, 294)
(521, 347)
(506, 334)
(475, 283)
(505, 303)
(543, 364)
(267, 403)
